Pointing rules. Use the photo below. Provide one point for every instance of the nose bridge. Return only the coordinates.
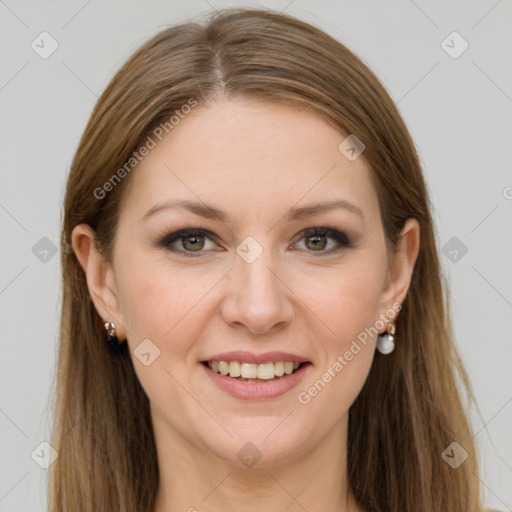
(256, 296)
(258, 278)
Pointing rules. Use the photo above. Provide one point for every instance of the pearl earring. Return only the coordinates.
(386, 340)
(112, 340)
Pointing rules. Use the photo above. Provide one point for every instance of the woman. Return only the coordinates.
(253, 313)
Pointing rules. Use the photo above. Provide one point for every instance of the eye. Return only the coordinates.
(317, 240)
(191, 242)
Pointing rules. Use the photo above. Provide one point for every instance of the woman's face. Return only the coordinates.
(258, 286)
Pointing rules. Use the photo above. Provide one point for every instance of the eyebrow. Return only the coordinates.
(210, 212)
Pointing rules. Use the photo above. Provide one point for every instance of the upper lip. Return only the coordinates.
(249, 357)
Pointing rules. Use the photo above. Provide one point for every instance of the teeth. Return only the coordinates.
(249, 371)
(279, 368)
(223, 367)
(235, 369)
(266, 371)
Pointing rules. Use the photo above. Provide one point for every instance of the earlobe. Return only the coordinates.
(98, 273)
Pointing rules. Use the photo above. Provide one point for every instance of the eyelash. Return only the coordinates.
(341, 238)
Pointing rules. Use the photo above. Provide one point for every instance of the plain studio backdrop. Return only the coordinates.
(448, 66)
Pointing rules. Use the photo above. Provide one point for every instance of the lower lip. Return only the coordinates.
(257, 390)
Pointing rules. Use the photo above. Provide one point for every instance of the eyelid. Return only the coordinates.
(338, 235)
(183, 233)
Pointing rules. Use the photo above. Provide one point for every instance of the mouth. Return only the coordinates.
(250, 376)
(255, 372)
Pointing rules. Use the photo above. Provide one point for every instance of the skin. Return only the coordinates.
(255, 161)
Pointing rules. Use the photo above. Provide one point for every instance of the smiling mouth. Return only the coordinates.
(249, 372)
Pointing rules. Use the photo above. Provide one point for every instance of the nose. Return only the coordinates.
(257, 297)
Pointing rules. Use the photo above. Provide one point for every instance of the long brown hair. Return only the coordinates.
(410, 409)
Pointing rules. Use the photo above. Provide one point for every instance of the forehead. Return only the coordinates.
(250, 158)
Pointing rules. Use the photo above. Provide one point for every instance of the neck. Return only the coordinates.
(195, 481)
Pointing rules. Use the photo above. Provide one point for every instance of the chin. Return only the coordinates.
(255, 444)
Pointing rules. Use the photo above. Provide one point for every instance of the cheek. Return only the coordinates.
(168, 305)
(347, 299)
(339, 377)
(161, 301)
(348, 303)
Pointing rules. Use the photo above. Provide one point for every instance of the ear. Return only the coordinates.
(99, 276)
(401, 265)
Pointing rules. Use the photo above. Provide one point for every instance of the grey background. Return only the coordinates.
(459, 112)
